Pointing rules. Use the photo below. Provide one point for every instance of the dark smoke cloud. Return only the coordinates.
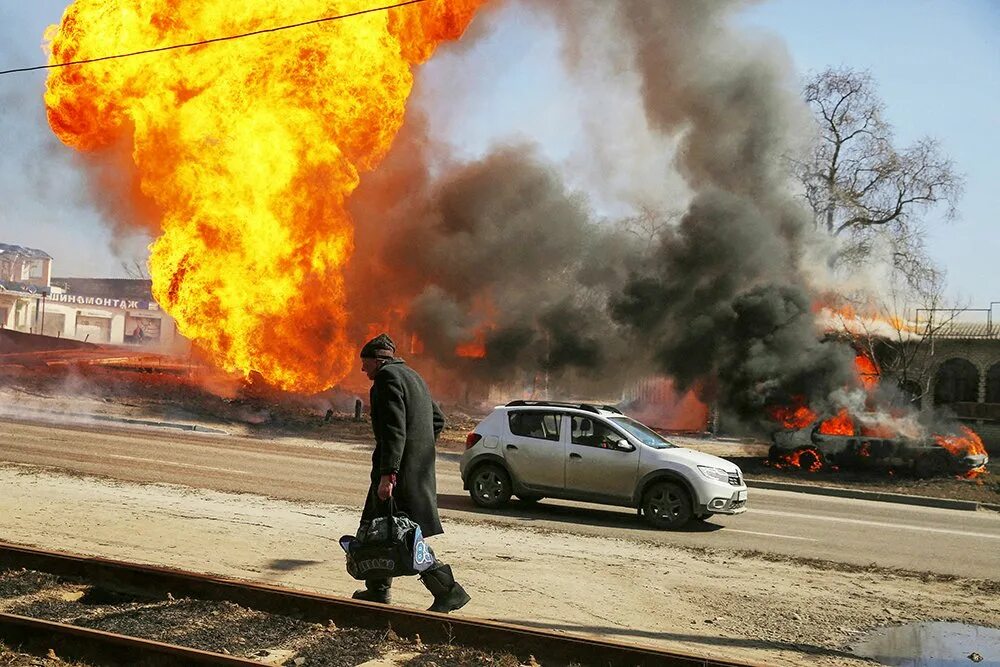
(722, 295)
(716, 301)
(498, 246)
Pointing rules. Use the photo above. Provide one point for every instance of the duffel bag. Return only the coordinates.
(388, 546)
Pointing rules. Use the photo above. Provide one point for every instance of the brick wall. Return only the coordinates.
(983, 354)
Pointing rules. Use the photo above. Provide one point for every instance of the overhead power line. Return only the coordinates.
(213, 40)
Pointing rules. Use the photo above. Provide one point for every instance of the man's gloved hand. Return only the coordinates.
(385, 486)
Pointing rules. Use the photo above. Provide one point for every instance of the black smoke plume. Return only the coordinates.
(718, 300)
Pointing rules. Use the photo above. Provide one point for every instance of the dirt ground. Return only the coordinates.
(745, 606)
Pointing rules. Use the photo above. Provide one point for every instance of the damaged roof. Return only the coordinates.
(31, 253)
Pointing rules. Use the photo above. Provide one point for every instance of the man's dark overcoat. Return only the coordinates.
(406, 423)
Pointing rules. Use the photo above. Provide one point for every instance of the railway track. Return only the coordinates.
(547, 647)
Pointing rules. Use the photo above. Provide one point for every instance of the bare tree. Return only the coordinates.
(864, 189)
(648, 224)
(136, 269)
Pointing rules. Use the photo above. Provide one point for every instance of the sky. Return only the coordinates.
(936, 63)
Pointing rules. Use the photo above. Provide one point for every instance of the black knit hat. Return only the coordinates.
(379, 347)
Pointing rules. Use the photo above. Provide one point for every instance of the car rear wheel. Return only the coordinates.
(810, 459)
(667, 506)
(490, 486)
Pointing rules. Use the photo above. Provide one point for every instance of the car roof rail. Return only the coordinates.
(562, 404)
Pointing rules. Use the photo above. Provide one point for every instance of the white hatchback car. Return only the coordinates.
(538, 449)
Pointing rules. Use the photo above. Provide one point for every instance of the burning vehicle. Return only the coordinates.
(844, 441)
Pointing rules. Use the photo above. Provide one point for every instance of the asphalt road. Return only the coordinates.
(856, 532)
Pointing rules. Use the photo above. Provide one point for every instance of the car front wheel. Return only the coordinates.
(490, 486)
(667, 506)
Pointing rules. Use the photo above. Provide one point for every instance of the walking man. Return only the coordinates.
(406, 423)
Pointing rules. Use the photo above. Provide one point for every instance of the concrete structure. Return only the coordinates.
(24, 283)
(957, 367)
(96, 310)
(108, 310)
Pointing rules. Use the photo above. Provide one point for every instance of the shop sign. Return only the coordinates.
(107, 302)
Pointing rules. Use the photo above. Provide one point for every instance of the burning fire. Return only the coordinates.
(837, 314)
(806, 458)
(473, 350)
(868, 371)
(793, 417)
(799, 415)
(962, 445)
(885, 424)
(841, 424)
(249, 148)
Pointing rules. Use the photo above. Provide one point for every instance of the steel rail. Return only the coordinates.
(105, 648)
(548, 647)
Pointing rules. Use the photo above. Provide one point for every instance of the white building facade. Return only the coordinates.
(109, 311)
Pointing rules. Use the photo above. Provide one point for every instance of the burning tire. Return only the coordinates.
(808, 458)
(490, 486)
(667, 506)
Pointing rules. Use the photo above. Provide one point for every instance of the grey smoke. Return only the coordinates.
(722, 295)
(716, 302)
(502, 244)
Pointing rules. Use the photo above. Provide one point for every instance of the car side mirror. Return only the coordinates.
(624, 445)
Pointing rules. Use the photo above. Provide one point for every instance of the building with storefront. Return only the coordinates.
(116, 311)
(119, 311)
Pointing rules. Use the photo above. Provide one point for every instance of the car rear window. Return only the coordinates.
(535, 424)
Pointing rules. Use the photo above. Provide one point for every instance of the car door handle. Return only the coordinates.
(575, 456)
(511, 446)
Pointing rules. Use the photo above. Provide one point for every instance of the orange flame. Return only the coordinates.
(793, 417)
(807, 458)
(965, 444)
(473, 350)
(841, 424)
(868, 371)
(249, 148)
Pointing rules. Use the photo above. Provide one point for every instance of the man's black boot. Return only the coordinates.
(375, 590)
(448, 593)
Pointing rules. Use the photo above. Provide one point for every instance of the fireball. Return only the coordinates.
(249, 149)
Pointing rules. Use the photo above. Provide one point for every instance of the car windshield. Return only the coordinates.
(643, 433)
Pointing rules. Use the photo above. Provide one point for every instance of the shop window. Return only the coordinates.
(956, 381)
(140, 330)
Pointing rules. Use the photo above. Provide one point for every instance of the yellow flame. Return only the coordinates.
(250, 148)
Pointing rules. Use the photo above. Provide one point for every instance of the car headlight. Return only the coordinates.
(718, 474)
